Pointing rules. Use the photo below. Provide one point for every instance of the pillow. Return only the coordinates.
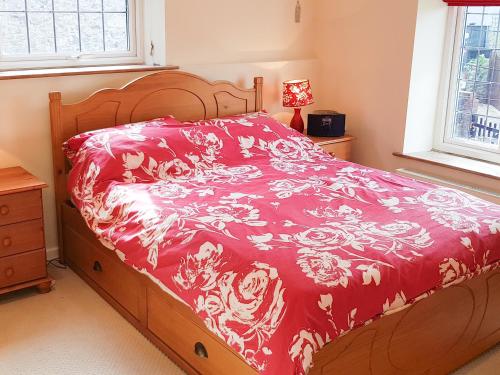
(243, 119)
(72, 145)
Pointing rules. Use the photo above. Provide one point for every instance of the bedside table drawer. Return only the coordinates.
(21, 237)
(19, 268)
(340, 150)
(20, 207)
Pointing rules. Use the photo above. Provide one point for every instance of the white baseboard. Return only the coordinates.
(52, 253)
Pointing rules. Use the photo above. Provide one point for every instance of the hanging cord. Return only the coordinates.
(298, 11)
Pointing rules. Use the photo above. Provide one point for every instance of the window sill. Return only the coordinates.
(75, 71)
(460, 163)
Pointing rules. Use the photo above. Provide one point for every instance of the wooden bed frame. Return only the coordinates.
(433, 336)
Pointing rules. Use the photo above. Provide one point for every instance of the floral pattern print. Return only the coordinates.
(268, 239)
(304, 345)
(325, 268)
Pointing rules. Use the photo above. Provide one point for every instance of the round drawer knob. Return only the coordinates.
(7, 242)
(4, 210)
(9, 272)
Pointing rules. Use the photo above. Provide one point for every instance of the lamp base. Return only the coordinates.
(297, 123)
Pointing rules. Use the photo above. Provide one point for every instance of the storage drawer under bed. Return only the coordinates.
(93, 261)
(195, 344)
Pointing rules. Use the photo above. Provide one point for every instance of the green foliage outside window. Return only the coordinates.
(476, 74)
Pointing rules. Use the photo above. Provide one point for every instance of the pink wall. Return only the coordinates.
(365, 49)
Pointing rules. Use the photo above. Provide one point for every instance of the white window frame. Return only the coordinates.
(135, 56)
(443, 140)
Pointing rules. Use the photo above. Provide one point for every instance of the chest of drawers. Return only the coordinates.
(22, 241)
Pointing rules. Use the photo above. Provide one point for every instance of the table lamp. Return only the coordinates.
(297, 93)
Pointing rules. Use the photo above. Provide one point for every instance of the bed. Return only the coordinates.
(434, 333)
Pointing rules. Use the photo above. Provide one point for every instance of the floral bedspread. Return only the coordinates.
(278, 247)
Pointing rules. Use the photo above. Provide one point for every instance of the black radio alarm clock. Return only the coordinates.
(326, 124)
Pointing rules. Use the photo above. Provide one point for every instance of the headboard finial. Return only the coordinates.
(55, 96)
(258, 83)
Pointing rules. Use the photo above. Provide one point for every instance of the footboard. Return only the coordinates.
(434, 336)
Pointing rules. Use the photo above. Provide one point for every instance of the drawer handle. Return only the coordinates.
(9, 272)
(200, 350)
(4, 210)
(97, 266)
(7, 242)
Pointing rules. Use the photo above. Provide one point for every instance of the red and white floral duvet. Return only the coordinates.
(278, 247)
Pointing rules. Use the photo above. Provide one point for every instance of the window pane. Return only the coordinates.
(11, 5)
(115, 5)
(115, 26)
(481, 91)
(492, 10)
(41, 33)
(484, 130)
(65, 5)
(45, 5)
(91, 32)
(490, 21)
(63, 27)
(90, 5)
(475, 37)
(465, 100)
(479, 10)
(13, 38)
(463, 124)
(470, 64)
(67, 33)
(484, 74)
(477, 107)
(494, 107)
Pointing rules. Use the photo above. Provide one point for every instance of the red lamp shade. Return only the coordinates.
(297, 93)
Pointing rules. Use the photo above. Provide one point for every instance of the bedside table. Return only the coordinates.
(340, 147)
(22, 241)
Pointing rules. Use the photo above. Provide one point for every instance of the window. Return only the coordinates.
(45, 33)
(472, 122)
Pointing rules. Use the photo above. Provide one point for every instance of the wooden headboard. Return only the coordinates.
(183, 95)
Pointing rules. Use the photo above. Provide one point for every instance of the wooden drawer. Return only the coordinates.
(21, 237)
(341, 150)
(168, 323)
(16, 269)
(98, 265)
(19, 207)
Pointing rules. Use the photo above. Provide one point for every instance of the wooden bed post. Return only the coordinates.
(258, 83)
(58, 161)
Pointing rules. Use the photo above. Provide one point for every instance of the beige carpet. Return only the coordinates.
(72, 331)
